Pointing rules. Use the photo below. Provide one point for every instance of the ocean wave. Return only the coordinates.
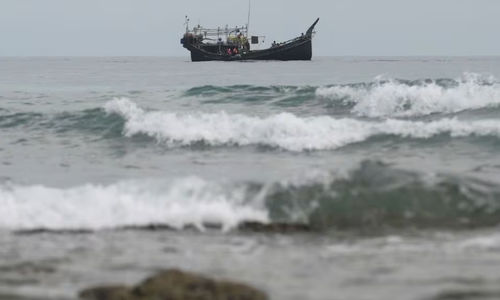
(382, 97)
(241, 90)
(282, 96)
(91, 121)
(19, 119)
(378, 196)
(403, 98)
(284, 130)
(373, 196)
(188, 201)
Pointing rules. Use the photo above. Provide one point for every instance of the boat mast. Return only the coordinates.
(187, 24)
(248, 22)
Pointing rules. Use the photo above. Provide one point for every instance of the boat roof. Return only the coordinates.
(217, 32)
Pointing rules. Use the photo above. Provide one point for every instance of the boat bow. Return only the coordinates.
(311, 29)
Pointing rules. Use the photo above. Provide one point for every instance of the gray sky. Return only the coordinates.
(154, 27)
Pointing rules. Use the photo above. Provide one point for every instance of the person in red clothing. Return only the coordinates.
(229, 52)
(235, 51)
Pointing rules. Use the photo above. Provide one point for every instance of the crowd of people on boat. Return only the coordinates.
(234, 51)
(240, 43)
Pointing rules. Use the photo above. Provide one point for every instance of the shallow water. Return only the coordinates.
(392, 163)
(420, 265)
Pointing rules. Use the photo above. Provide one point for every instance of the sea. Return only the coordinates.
(340, 178)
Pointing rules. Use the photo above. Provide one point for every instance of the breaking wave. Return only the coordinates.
(382, 97)
(333, 117)
(189, 201)
(283, 130)
(377, 196)
(403, 98)
(372, 196)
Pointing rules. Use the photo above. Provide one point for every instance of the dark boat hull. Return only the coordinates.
(299, 50)
(296, 49)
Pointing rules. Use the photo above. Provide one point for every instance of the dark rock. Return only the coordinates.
(177, 285)
(106, 293)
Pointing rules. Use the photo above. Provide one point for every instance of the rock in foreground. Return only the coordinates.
(176, 285)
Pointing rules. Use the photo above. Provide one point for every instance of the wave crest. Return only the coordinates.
(378, 196)
(401, 98)
(189, 201)
(373, 196)
(283, 130)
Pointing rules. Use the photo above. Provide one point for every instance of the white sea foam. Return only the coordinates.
(189, 201)
(484, 242)
(283, 130)
(392, 98)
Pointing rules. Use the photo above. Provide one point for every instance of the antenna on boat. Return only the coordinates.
(248, 23)
(187, 24)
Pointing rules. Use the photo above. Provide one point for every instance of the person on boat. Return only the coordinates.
(235, 51)
(229, 52)
(274, 44)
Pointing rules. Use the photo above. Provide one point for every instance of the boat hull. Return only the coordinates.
(298, 50)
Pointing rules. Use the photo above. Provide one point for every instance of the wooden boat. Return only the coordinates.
(233, 44)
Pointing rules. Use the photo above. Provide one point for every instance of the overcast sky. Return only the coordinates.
(154, 27)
